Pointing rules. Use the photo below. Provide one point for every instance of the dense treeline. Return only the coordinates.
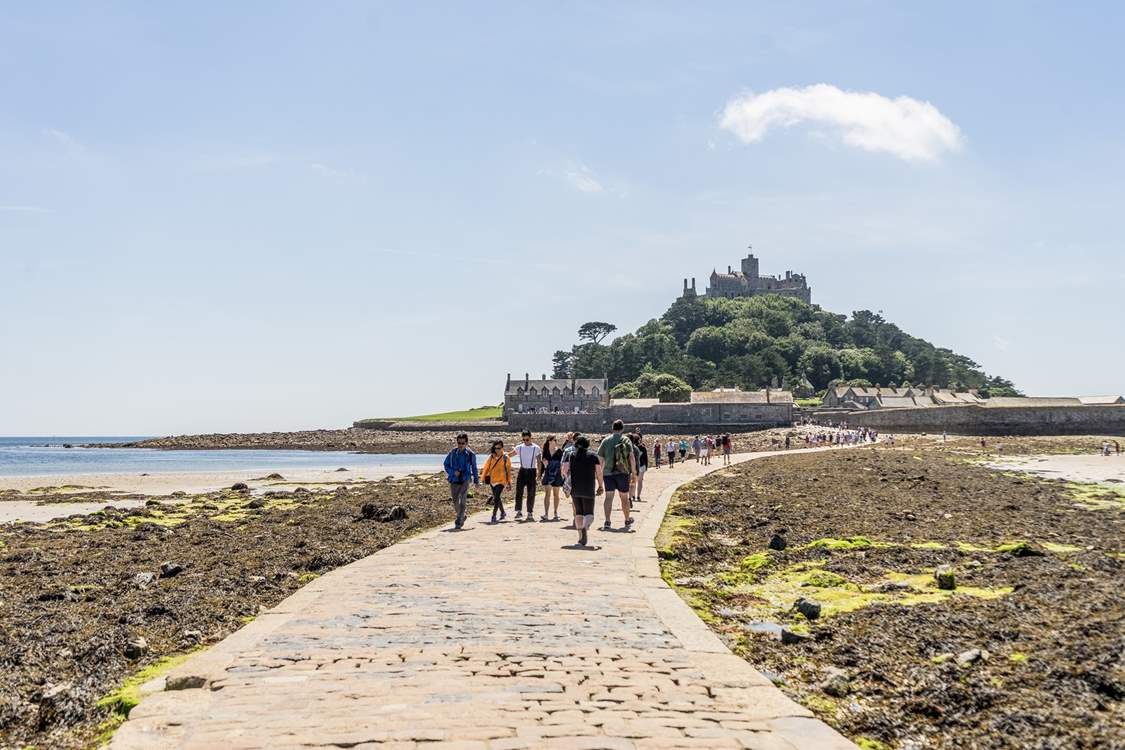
(765, 341)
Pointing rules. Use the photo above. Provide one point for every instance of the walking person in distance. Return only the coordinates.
(497, 475)
(461, 467)
(619, 469)
(583, 469)
(530, 457)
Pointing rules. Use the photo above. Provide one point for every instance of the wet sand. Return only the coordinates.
(1085, 468)
(161, 484)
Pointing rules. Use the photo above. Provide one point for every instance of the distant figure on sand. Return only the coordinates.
(497, 475)
(583, 470)
(460, 467)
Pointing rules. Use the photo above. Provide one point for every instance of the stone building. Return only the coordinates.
(551, 395)
(748, 282)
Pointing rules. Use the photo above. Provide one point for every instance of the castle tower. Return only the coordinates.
(750, 266)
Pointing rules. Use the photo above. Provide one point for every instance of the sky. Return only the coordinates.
(275, 215)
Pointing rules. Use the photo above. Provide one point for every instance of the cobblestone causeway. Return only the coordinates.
(498, 636)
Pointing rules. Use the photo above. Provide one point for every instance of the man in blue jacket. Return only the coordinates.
(460, 466)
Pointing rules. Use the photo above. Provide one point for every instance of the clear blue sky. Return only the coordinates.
(287, 215)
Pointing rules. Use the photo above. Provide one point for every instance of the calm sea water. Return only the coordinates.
(46, 456)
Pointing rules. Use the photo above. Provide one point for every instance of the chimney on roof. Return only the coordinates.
(788, 275)
(509, 383)
(685, 286)
(693, 284)
(730, 270)
(526, 381)
(543, 376)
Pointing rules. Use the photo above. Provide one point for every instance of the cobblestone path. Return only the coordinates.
(502, 636)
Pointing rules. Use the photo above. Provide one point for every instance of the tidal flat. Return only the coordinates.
(90, 600)
(914, 597)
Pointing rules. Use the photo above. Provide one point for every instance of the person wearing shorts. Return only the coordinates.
(705, 450)
(583, 470)
(552, 477)
(617, 472)
(726, 450)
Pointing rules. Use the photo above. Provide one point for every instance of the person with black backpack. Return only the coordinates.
(618, 457)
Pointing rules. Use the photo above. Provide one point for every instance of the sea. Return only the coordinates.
(48, 456)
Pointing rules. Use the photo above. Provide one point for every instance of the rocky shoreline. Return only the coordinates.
(89, 601)
(436, 440)
(932, 603)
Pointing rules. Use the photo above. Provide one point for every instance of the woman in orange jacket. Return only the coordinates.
(497, 474)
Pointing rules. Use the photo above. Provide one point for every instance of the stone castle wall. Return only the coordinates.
(997, 420)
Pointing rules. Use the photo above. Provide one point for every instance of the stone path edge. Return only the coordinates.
(793, 721)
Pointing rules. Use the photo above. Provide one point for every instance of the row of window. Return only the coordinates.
(556, 391)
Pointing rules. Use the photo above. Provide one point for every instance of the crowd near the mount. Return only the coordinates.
(572, 468)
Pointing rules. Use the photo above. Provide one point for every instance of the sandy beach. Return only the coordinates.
(1081, 468)
(167, 483)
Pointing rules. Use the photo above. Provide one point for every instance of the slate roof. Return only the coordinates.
(588, 384)
(1030, 401)
(1099, 400)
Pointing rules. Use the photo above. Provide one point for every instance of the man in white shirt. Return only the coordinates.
(531, 456)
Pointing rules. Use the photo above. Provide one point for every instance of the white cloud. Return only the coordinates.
(327, 171)
(1001, 343)
(26, 209)
(907, 128)
(580, 176)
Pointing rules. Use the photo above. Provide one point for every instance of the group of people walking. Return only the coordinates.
(572, 468)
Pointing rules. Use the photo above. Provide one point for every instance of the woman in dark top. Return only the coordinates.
(552, 477)
(642, 465)
(585, 471)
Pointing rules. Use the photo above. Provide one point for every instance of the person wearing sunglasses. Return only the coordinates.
(460, 467)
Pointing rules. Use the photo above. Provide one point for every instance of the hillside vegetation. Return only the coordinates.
(465, 415)
(764, 341)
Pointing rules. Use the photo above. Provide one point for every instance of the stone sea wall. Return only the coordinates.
(997, 420)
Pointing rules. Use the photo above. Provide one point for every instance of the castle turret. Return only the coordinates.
(750, 266)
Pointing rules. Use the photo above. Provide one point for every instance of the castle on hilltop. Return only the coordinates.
(749, 283)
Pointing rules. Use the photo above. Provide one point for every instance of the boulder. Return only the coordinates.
(53, 704)
(170, 569)
(778, 542)
(972, 656)
(301, 491)
(274, 476)
(945, 577)
(144, 580)
(193, 636)
(240, 487)
(836, 683)
(807, 607)
(185, 682)
(136, 647)
(258, 502)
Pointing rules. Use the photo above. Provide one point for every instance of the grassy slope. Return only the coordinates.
(467, 415)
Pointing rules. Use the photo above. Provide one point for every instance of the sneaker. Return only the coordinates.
(607, 526)
(582, 537)
(503, 516)
(493, 520)
(519, 514)
(628, 522)
(544, 518)
(556, 518)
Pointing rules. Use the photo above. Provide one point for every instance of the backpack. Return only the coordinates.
(621, 454)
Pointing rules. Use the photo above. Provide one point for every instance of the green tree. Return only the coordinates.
(595, 331)
(625, 390)
(820, 364)
(561, 364)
